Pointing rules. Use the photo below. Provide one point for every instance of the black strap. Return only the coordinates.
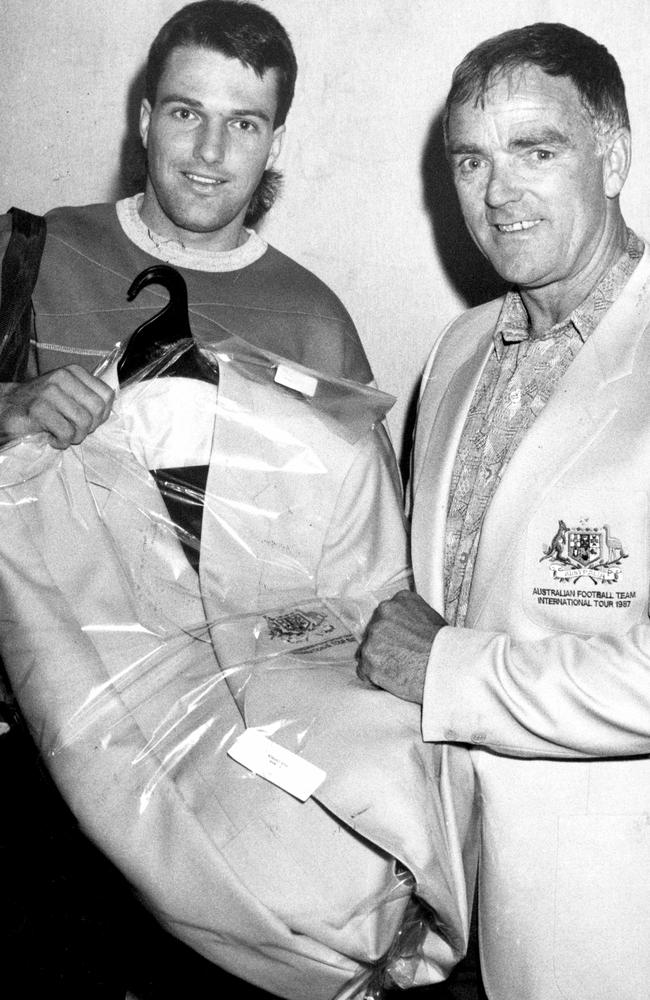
(19, 272)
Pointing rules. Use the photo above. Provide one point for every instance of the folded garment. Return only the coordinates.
(138, 676)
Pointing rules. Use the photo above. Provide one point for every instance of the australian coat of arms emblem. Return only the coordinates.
(293, 625)
(585, 551)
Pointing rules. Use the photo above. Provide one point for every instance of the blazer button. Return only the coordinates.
(478, 737)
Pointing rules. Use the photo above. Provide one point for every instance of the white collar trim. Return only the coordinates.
(173, 252)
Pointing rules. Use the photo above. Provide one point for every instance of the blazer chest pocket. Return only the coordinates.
(586, 562)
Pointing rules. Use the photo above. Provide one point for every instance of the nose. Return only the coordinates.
(211, 142)
(503, 185)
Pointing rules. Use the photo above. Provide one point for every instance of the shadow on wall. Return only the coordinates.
(130, 176)
(466, 269)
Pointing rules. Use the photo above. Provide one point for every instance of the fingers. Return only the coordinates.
(407, 618)
(72, 406)
(395, 651)
(381, 638)
(67, 403)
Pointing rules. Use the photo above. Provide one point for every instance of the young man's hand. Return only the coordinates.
(67, 403)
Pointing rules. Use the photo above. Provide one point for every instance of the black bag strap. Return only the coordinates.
(19, 272)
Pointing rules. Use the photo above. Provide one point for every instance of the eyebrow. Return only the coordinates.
(467, 149)
(542, 137)
(198, 105)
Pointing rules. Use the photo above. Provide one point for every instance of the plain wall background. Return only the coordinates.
(367, 202)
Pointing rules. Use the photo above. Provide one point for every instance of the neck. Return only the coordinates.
(163, 229)
(552, 303)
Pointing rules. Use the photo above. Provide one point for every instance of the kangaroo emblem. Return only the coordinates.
(557, 547)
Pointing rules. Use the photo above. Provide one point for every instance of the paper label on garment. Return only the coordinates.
(273, 762)
(300, 381)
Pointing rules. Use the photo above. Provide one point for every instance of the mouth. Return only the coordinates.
(209, 183)
(516, 227)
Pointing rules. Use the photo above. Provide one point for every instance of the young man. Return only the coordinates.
(530, 525)
(220, 81)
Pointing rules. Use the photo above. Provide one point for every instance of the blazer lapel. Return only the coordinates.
(589, 395)
(440, 425)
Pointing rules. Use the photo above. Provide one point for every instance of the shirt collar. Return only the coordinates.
(175, 253)
(513, 325)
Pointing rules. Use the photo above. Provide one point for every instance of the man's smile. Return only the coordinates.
(516, 227)
(204, 180)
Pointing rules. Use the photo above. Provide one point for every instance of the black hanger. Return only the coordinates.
(182, 489)
(152, 340)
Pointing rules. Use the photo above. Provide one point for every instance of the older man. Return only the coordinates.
(531, 520)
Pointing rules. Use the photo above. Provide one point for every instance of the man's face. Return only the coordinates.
(209, 137)
(532, 181)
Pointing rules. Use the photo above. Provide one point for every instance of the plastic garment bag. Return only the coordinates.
(183, 650)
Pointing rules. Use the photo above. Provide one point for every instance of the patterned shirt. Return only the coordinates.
(519, 378)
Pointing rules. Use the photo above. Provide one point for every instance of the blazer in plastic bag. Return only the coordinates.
(190, 677)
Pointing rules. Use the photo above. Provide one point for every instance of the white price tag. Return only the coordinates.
(300, 381)
(281, 767)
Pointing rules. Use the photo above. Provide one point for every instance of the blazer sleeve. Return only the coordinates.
(365, 552)
(564, 695)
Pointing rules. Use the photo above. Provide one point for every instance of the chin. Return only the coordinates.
(192, 223)
(518, 272)
(198, 218)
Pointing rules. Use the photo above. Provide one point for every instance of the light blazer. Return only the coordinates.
(550, 679)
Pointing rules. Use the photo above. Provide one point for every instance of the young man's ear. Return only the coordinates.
(276, 145)
(145, 120)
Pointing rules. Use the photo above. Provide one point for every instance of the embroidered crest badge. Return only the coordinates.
(584, 551)
(294, 625)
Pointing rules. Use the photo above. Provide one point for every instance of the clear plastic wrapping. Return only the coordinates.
(182, 599)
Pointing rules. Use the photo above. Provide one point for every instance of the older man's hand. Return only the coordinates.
(397, 644)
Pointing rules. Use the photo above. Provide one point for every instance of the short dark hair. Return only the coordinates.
(238, 30)
(557, 50)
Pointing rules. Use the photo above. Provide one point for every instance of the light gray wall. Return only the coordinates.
(367, 202)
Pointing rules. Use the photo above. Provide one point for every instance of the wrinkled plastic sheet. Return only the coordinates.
(182, 599)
